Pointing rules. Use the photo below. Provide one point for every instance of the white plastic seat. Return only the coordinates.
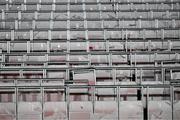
(55, 110)
(81, 110)
(160, 110)
(106, 110)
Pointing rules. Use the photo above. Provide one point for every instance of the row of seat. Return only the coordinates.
(84, 111)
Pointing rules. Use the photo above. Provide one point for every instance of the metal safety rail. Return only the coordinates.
(94, 94)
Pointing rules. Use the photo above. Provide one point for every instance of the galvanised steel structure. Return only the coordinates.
(89, 59)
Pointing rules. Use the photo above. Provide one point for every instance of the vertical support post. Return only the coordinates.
(171, 75)
(135, 59)
(142, 93)
(19, 18)
(24, 57)
(45, 69)
(93, 97)
(16, 106)
(3, 19)
(104, 34)
(25, 7)
(68, 46)
(87, 40)
(155, 65)
(16, 25)
(87, 46)
(89, 59)
(100, 10)
(117, 8)
(51, 24)
(85, 24)
(139, 94)
(130, 58)
(178, 6)
(147, 6)
(169, 45)
(118, 100)
(49, 35)
(156, 23)
(7, 6)
(136, 72)
(114, 76)
(19, 15)
(31, 35)
(149, 45)
(28, 47)
(131, 6)
(151, 14)
(107, 45)
(141, 72)
(52, 15)
(42, 102)
(22, 7)
(38, 6)
(67, 59)
(12, 35)
(94, 71)
(140, 23)
(144, 34)
(35, 15)
(122, 33)
(126, 46)
(68, 9)
(8, 46)
(34, 24)
(174, 23)
(44, 72)
(47, 57)
(3, 15)
(68, 29)
(162, 34)
(146, 108)
(84, 13)
(67, 102)
(167, 14)
(48, 46)
(102, 24)
(67, 74)
(54, 5)
(110, 59)
(172, 100)
(21, 71)
(3, 58)
(163, 75)
(126, 34)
